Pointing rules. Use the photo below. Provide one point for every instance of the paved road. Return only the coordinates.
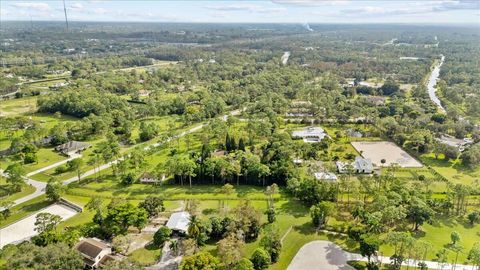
(325, 255)
(432, 83)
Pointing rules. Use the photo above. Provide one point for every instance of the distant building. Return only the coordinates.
(297, 161)
(179, 222)
(360, 165)
(354, 133)
(72, 147)
(325, 176)
(44, 141)
(460, 144)
(148, 178)
(59, 85)
(143, 93)
(93, 251)
(310, 134)
(376, 100)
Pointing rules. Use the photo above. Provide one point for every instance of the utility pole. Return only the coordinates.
(65, 11)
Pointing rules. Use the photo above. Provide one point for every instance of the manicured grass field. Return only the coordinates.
(146, 256)
(6, 191)
(453, 171)
(110, 188)
(12, 107)
(25, 209)
(46, 156)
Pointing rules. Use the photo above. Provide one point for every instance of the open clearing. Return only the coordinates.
(25, 228)
(376, 151)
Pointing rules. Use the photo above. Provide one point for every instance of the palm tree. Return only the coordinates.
(194, 227)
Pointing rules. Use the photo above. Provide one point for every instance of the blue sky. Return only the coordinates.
(287, 11)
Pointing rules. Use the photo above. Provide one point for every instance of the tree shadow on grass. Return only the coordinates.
(209, 211)
(36, 206)
(150, 246)
(5, 190)
(305, 229)
(294, 209)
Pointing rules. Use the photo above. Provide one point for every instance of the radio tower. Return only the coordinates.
(65, 10)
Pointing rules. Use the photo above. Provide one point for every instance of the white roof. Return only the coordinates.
(310, 134)
(360, 164)
(328, 176)
(179, 221)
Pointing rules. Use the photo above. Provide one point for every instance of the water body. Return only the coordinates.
(432, 83)
(285, 57)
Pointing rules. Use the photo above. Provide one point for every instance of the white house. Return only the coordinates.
(179, 222)
(93, 251)
(148, 178)
(310, 134)
(325, 176)
(360, 165)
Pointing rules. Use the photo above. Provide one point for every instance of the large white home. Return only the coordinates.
(93, 251)
(310, 134)
(179, 222)
(360, 165)
(325, 176)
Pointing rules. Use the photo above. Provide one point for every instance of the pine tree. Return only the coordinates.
(241, 144)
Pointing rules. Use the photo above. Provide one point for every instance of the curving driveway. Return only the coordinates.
(325, 255)
(322, 255)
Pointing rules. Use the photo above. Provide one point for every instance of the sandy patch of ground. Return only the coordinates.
(24, 229)
(376, 151)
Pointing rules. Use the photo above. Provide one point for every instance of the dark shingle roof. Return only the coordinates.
(90, 247)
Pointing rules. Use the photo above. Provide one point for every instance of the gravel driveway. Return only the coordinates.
(321, 255)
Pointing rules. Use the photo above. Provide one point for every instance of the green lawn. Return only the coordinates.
(6, 191)
(146, 256)
(25, 209)
(14, 107)
(453, 171)
(46, 156)
(111, 188)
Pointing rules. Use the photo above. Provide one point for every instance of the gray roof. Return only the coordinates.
(363, 164)
(179, 221)
(72, 146)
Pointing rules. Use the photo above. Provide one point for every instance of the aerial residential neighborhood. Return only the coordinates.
(239, 135)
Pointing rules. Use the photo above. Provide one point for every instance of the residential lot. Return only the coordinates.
(376, 151)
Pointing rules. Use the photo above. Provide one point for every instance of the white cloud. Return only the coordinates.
(247, 7)
(32, 6)
(100, 11)
(77, 6)
(312, 2)
(416, 8)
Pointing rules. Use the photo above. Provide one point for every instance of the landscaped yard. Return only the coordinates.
(7, 194)
(453, 171)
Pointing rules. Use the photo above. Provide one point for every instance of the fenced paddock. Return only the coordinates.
(24, 229)
(376, 151)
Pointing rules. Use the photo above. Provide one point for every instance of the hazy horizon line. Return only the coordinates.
(259, 23)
